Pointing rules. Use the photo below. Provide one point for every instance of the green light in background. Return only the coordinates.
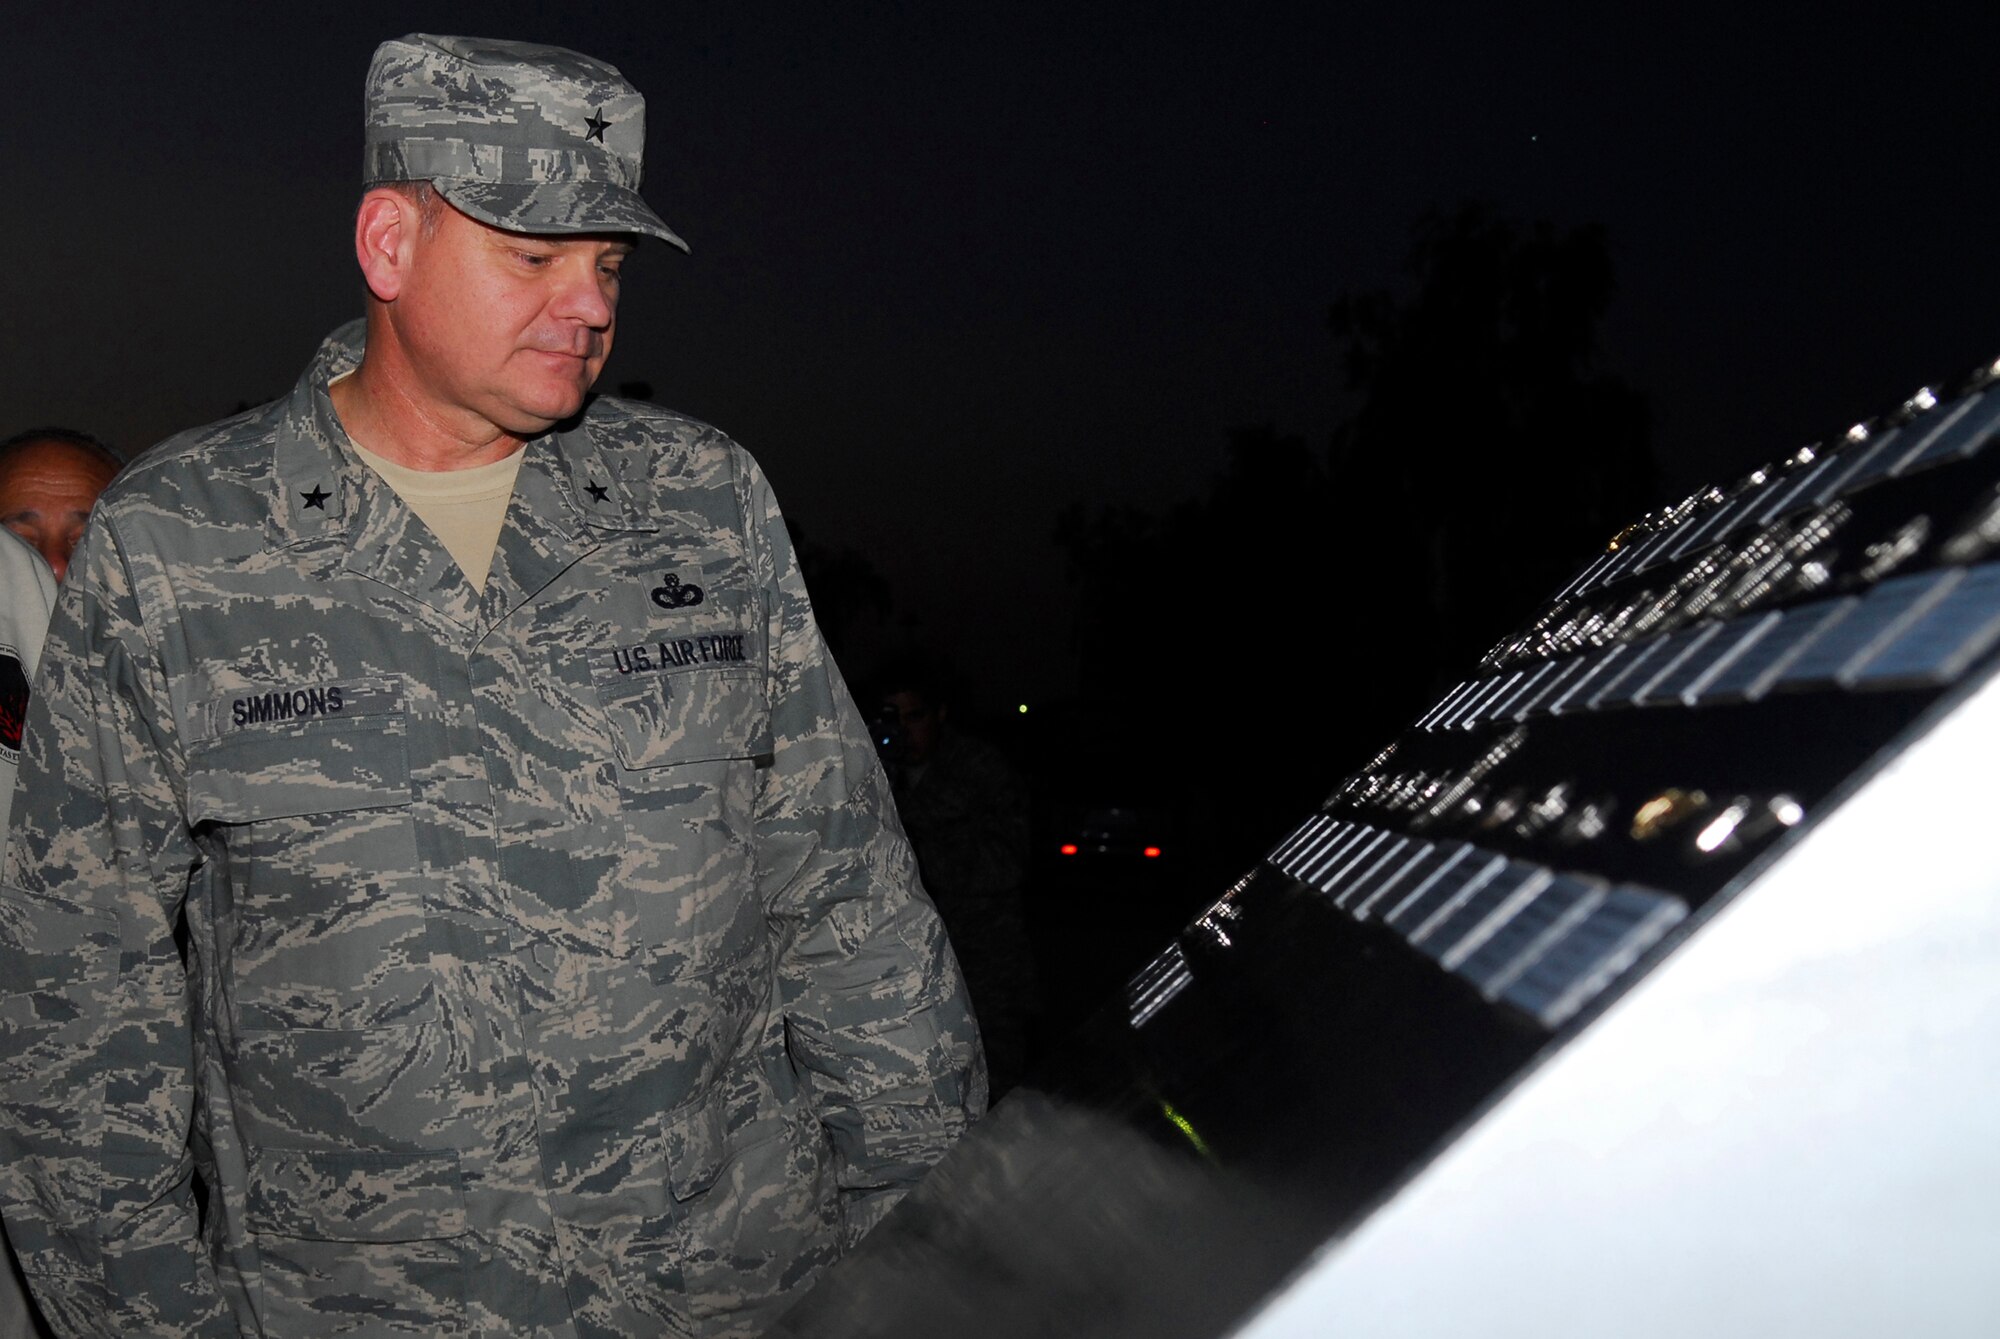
(1024, 709)
(1181, 1124)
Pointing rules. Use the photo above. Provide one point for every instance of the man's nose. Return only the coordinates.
(55, 552)
(584, 297)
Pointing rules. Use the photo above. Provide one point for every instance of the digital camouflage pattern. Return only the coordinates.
(538, 139)
(555, 963)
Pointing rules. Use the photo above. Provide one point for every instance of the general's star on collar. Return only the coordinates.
(598, 125)
(317, 498)
(598, 492)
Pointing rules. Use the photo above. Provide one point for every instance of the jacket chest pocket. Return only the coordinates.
(690, 691)
(301, 799)
(687, 717)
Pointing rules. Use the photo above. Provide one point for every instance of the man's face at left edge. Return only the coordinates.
(512, 326)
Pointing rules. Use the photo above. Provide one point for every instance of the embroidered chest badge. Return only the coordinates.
(674, 595)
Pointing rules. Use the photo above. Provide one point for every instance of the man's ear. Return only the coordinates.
(386, 228)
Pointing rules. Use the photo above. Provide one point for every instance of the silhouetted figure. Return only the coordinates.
(965, 809)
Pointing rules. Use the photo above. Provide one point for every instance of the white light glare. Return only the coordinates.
(1724, 823)
(1786, 810)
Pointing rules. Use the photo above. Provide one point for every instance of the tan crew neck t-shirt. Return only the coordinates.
(464, 508)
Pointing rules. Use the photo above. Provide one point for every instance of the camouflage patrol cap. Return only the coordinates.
(530, 138)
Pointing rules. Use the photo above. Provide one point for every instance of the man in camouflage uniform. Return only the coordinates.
(392, 951)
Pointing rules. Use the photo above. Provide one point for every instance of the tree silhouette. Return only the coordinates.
(1279, 629)
(1493, 457)
(1196, 648)
(1154, 592)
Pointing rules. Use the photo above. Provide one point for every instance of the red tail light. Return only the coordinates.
(1068, 848)
(1152, 853)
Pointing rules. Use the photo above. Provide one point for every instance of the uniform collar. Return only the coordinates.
(317, 480)
(602, 497)
(315, 487)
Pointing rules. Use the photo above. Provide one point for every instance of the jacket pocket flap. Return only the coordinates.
(46, 944)
(335, 747)
(659, 720)
(329, 1195)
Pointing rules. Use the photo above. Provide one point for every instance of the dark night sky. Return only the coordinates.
(955, 266)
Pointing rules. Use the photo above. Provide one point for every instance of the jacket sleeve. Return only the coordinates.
(876, 1015)
(96, 1048)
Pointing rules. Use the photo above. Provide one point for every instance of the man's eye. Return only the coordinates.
(533, 259)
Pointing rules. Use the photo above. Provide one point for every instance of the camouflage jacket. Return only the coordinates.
(380, 957)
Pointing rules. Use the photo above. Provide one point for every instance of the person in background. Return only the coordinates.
(27, 596)
(453, 890)
(965, 808)
(49, 480)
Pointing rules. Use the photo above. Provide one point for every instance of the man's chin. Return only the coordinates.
(538, 412)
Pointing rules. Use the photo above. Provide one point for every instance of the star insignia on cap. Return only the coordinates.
(598, 492)
(598, 125)
(317, 498)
